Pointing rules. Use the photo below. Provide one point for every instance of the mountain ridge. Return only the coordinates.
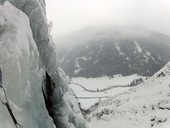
(108, 54)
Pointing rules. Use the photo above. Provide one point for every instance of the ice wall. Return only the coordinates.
(19, 62)
(22, 72)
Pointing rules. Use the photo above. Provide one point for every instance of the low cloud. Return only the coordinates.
(70, 15)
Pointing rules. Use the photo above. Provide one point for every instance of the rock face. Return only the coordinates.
(28, 62)
(110, 52)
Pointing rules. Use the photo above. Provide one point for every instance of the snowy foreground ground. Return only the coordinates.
(144, 106)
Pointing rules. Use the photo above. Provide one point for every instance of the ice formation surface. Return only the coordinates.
(28, 61)
(19, 62)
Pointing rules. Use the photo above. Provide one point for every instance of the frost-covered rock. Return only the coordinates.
(22, 76)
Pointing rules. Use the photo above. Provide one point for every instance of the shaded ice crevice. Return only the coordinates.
(7, 105)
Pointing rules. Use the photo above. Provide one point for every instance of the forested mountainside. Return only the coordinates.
(111, 52)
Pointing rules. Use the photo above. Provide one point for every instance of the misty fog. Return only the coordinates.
(71, 15)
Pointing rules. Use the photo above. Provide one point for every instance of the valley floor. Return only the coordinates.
(98, 89)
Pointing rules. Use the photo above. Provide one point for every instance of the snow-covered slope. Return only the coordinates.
(28, 61)
(144, 106)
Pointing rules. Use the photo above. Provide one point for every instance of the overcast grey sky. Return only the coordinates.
(70, 15)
